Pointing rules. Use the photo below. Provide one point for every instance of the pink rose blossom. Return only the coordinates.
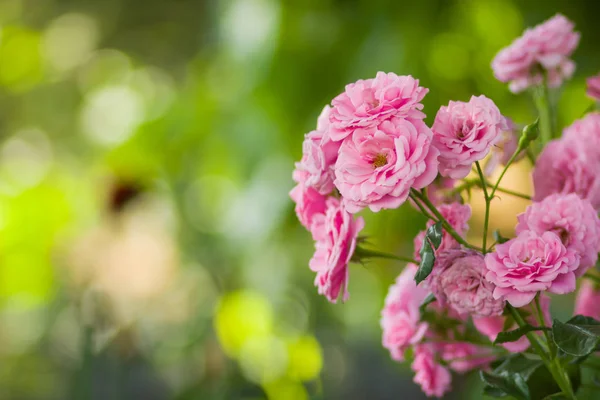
(310, 204)
(400, 317)
(568, 166)
(319, 154)
(531, 263)
(433, 378)
(463, 357)
(336, 241)
(458, 216)
(586, 132)
(593, 87)
(465, 132)
(458, 280)
(547, 46)
(503, 150)
(377, 166)
(492, 326)
(588, 300)
(573, 219)
(366, 103)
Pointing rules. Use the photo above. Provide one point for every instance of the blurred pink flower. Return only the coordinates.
(492, 326)
(465, 132)
(366, 103)
(586, 132)
(458, 216)
(464, 357)
(593, 87)
(400, 318)
(457, 280)
(310, 204)
(433, 378)
(336, 240)
(319, 154)
(568, 166)
(531, 263)
(503, 150)
(573, 219)
(439, 190)
(377, 166)
(546, 47)
(588, 300)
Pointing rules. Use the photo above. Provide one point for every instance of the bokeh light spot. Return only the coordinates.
(70, 40)
(241, 316)
(111, 114)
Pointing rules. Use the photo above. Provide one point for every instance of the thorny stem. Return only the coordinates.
(540, 319)
(447, 227)
(423, 210)
(361, 252)
(488, 200)
(476, 182)
(542, 103)
(553, 363)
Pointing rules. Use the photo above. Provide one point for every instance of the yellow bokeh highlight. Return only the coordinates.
(263, 359)
(240, 316)
(20, 59)
(286, 390)
(305, 358)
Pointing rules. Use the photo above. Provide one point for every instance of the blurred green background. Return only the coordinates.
(148, 247)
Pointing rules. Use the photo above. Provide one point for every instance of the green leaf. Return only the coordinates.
(428, 300)
(576, 340)
(499, 238)
(432, 241)
(493, 392)
(516, 334)
(509, 383)
(541, 383)
(426, 265)
(518, 364)
(588, 323)
(434, 234)
(556, 396)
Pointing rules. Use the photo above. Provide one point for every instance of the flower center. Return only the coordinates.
(379, 161)
(562, 234)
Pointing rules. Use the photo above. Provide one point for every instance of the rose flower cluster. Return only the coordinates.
(459, 306)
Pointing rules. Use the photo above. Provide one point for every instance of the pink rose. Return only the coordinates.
(573, 219)
(310, 204)
(593, 87)
(319, 154)
(465, 132)
(568, 166)
(336, 240)
(458, 216)
(547, 46)
(458, 280)
(586, 132)
(492, 326)
(531, 263)
(400, 317)
(433, 378)
(377, 166)
(503, 150)
(366, 103)
(464, 357)
(588, 300)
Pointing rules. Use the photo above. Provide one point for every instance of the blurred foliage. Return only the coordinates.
(148, 246)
